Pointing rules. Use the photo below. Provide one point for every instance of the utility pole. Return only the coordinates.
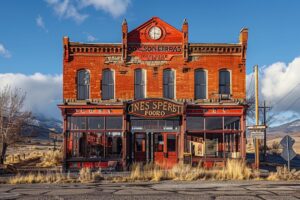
(265, 131)
(256, 117)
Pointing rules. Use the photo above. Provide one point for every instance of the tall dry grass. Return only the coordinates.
(85, 176)
(41, 178)
(283, 173)
(234, 170)
(51, 159)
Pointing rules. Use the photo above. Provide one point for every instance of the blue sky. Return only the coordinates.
(32, 30)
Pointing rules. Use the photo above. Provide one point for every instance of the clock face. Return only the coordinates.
(155, 33)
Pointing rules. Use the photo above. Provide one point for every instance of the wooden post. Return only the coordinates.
(256, 117)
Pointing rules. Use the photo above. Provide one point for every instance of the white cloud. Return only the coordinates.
(279, 85)
(40, 23)
(115, 7)
(89, 37)
(71, 9)
(4, 52)
(67, 9)
(43, 92)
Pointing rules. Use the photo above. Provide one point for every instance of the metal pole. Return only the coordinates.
(288, 152)
(256, 117)
(265, 131)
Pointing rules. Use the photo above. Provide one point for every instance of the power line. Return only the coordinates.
(286, 95)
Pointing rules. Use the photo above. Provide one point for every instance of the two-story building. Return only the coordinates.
(154, 97)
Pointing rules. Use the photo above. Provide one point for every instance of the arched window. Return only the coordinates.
(200, 84)
(224, 82)
(139, 84)
(83, 84)
(169, 84)
(108, 84)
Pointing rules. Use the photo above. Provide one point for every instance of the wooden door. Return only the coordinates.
(165, 149)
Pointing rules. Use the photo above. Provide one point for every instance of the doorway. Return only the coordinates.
(165, 149)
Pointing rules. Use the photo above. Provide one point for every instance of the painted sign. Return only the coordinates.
(154, 52)
(154, 108)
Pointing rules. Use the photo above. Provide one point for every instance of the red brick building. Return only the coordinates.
(154, 97)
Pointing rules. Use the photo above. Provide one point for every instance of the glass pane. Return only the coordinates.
(158, 142)
(232, 123)
(171, 143)
(113, 145)
(214, 123)
(95, 123)
(77, 123)
(195, 123)
(114, 123)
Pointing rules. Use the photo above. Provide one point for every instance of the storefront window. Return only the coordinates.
(95, 123)
(114, 123)
(214, 123)
(195, 123)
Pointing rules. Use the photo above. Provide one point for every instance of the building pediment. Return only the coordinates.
(155, 30)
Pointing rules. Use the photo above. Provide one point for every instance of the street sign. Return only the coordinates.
(257, 135)
(288, 152)
(257, 127)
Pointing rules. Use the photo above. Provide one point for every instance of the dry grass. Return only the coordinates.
(87, 176)
(234, 170)
(51, 159)
(41, 178)
(284, 174)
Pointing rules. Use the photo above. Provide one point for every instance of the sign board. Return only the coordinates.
(287, 143)
(257, 135)
(154, 108)
(257, 127)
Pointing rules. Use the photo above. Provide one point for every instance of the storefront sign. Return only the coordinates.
(154, 108)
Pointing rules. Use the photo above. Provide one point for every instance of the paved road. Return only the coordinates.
(232, 190)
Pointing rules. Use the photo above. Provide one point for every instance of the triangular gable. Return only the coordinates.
(141, 34)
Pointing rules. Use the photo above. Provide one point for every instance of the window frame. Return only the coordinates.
(230, 79)
(78, 83)
(108, 85)
(168, 85)
(206, 83)
(144, 85)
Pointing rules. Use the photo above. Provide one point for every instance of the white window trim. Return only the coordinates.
(206, 76)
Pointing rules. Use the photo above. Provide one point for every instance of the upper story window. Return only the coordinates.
(169, 83)
(108, 84)
(139, 84)
(83, 84)
(200, 84)
(224, 82)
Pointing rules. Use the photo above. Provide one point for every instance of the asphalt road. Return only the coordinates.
(231, 190)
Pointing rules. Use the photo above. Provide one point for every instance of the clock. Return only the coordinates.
(155, 33)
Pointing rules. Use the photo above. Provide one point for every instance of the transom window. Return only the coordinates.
(139, 84)
(169, 84)
(108, 84)
(200, 84)
(83, 84)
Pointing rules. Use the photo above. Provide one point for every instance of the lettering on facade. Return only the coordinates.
(113, 59)
(154, 108)
(154, 52)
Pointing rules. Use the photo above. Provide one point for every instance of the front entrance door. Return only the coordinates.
(165, 149)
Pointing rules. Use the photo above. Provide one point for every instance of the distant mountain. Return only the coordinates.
(290, 128)
(41, 126)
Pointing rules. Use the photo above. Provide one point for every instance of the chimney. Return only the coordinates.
(244, 41)
(66, 48)
(185, 31)
(124, 39)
